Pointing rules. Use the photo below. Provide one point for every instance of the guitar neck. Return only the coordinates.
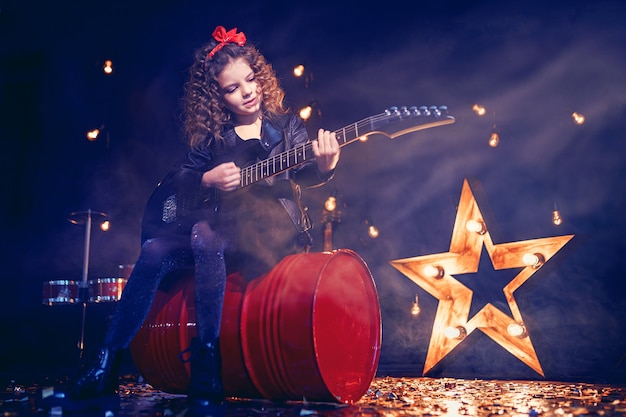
(393, 122)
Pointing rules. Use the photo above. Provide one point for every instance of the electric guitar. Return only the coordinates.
(172, 210)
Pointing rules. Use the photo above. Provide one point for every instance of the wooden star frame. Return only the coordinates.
(434, 273)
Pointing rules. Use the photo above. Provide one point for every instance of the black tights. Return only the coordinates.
(160, 257)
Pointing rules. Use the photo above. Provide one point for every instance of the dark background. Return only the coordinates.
(531, 64)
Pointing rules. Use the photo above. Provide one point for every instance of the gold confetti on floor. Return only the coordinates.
(387, 397)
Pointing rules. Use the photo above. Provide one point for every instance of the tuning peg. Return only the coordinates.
(392, 110)
(443, 110)
(424, 111)
(414, 111)
(435, 111)
(405, 111)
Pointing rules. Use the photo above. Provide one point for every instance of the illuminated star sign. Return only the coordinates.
(434, 273)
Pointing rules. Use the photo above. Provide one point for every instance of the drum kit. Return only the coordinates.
(99, 290)
(84, 291)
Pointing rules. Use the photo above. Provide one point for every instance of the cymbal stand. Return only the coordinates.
(83, 287)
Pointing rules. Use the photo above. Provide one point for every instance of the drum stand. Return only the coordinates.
(84, 217)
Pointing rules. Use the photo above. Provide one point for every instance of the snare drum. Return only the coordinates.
(60, 291)
(106, 289)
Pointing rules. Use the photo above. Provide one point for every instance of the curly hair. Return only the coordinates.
(205, 114)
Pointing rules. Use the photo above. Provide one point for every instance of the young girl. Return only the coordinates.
(234, 114)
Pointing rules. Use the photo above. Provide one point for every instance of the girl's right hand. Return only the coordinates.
(226, 177)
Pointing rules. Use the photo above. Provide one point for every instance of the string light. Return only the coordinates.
(108, 67)
(105, 226)
(479, 110)
(298, 70)
(415, 308)
(556, 216)
(579, 119)
(93, 134)
(331, 203)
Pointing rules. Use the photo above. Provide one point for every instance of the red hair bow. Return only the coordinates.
(223, 37)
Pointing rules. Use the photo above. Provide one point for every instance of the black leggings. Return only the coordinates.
(160, 257)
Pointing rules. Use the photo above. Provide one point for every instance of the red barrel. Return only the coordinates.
(309, 329)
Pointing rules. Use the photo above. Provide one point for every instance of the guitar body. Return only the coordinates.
(175, 206)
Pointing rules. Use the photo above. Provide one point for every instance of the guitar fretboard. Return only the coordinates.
(299, 154)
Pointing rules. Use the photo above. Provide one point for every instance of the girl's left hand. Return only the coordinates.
(326, 150)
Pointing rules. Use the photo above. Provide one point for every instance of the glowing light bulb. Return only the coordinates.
(476, 226)
(108, 67)
(331, 203)
(434, 271)
(306, 112)
(298, 71)
(105, 226)
(556, 218)
(516, 330)
(579, 119)
(494, 139)
(479, 110)
(92, 135)
(457, 332)
(533, 259)
(415, 308)
(372, 231)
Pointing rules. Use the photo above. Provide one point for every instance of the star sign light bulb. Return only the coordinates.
(476, 226)
(457, 332)
(516, 330)
(533, 259)
(434, 271)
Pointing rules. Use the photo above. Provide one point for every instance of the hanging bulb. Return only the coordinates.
(556, 215)
(579, 119)
(479, 110)
(306, 112)
(105, 226)
(93, 134)
(298, 70)
(331, 203)
(108, 67)
(415, 309)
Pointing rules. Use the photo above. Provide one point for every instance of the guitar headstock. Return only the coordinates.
(398, 121)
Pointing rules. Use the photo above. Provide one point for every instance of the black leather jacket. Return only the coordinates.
(277, 136)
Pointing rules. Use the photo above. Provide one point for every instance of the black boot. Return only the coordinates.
(94, 387)
(206, 393)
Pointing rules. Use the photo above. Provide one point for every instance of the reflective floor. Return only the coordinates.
(386, 397)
